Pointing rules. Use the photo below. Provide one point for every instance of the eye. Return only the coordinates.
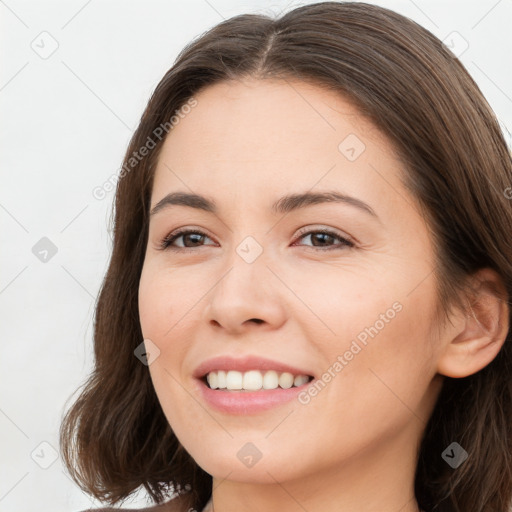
(194, 240)
(326, 236)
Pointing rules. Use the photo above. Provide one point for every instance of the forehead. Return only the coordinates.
(259, 136)
(263, 116)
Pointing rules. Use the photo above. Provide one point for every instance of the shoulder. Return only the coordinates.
(174, 505)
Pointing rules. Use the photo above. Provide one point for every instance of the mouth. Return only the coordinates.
(250, 384)
(253, 380)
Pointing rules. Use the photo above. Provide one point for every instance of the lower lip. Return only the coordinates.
(248, 402)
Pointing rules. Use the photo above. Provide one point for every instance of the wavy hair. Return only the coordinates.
(115, 437)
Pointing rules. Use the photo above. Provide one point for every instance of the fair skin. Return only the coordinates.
(353, 446)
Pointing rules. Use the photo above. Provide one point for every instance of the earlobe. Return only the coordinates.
(477, 335)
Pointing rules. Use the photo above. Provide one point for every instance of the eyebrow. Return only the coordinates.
(283, 205)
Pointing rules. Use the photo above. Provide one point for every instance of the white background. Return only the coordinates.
(66, 122)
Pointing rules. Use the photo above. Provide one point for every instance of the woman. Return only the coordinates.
(307, 304)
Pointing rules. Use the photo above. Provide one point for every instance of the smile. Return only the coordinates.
(254, 380)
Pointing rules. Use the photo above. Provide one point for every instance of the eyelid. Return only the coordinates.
(328, 230)
(346, 241)
(164, 243)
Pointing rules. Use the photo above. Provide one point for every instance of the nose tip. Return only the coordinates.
(244, 292)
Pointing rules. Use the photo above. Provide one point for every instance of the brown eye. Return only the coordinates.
(322, 238)
(191, 239)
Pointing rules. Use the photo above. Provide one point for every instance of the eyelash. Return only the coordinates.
(165, 244)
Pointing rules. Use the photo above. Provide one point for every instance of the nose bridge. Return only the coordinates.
(248, 276)
(247, 289)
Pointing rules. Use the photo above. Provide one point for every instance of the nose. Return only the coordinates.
(247, 295)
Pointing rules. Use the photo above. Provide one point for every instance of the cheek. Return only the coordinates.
(388, 356)
(150, 303)
(374, 340)
(160, 310)
(169, 301)
(163, 299)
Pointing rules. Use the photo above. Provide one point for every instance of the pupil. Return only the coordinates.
(323, 235)
(196, 235)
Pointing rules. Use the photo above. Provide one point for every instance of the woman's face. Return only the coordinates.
(357, 316)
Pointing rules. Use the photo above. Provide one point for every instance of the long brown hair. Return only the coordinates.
(115, 437)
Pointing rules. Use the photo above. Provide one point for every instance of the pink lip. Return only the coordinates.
(245, 364)
(246, 402)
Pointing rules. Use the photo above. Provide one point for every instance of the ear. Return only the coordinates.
(478, 334)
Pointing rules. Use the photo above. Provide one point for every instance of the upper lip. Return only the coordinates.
(244, 364)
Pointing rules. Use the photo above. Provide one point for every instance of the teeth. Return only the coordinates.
(221, 379)
(254, 380)
(300, 379)
(270, 380)
(286, 380)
